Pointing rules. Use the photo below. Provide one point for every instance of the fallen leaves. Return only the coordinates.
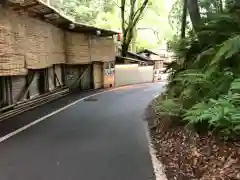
(189, 157)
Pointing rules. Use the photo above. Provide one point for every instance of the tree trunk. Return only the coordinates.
(129, 28)
(193, 9)
(184, 19)
(135, 31)
(124, 50)
(134, 40)
(221, 5)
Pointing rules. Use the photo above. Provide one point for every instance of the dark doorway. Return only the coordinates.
(43, 84)
(2, 89)
(86, 77)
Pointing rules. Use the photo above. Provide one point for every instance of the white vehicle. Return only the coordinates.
(164, 76)
(159, 75)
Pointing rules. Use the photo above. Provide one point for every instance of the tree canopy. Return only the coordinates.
(151, 29)
(84, 11)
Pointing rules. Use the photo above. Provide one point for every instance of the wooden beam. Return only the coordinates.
(19, 7)
(1, 92)
(10, 89)
(25, 90)
(63, 71)
(47, 13)
(46, 80)
(30, 5)
(81, 75)
(42, 17)
(56, 78)
(4, 91)
(28, 93)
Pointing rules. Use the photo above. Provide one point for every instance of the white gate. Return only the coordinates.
(127, 74)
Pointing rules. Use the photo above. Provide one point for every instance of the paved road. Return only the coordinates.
(103, 138)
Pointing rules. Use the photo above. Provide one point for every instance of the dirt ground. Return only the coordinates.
(189, 156)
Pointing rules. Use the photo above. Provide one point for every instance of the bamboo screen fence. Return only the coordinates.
(30, 43)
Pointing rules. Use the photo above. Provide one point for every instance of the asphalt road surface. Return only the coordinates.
(100, 138)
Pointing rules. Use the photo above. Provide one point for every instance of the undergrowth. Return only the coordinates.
(204, 85)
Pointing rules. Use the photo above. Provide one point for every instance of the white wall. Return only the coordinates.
(132, 74)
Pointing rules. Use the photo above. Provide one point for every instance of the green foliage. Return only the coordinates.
(228, 49)
(205, 79)
(207, 9)
(222, 114)
(131, 13)
(84, 11)
(106, 14)
(168, 107)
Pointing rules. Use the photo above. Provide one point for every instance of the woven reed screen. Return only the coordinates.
(27, 43)
(77, 48)
(102, 49)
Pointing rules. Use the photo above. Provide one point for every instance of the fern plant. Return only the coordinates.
(169, 107)
(222, 115)
(205, 85)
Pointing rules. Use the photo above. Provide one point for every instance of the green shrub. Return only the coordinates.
(222, 114)
(204, 85)
(168, 107)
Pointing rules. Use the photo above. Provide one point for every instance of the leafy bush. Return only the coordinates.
(168, 107)
(205, 81)
(222, 114)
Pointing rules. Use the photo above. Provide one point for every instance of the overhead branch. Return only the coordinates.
(154, 31)
(119, 6)
(123, 3)
(140, 10)
(116, 4)
(132, 8)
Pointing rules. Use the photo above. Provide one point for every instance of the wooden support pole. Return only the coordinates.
(63, 71)
(46, 81)
(81, 75)
(8, 86)
(4, 91)
(10, 89)
(25, 90)
(56, 78)
(1, 92)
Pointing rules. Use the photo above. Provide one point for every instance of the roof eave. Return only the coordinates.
(43, 11)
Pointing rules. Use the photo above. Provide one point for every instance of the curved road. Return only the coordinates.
(100, 138)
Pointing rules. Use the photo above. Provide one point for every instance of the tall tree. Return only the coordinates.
(205, 8)
(130, 16)
(184, 19)
(135, 31)
(175, 16)
(193, 9)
